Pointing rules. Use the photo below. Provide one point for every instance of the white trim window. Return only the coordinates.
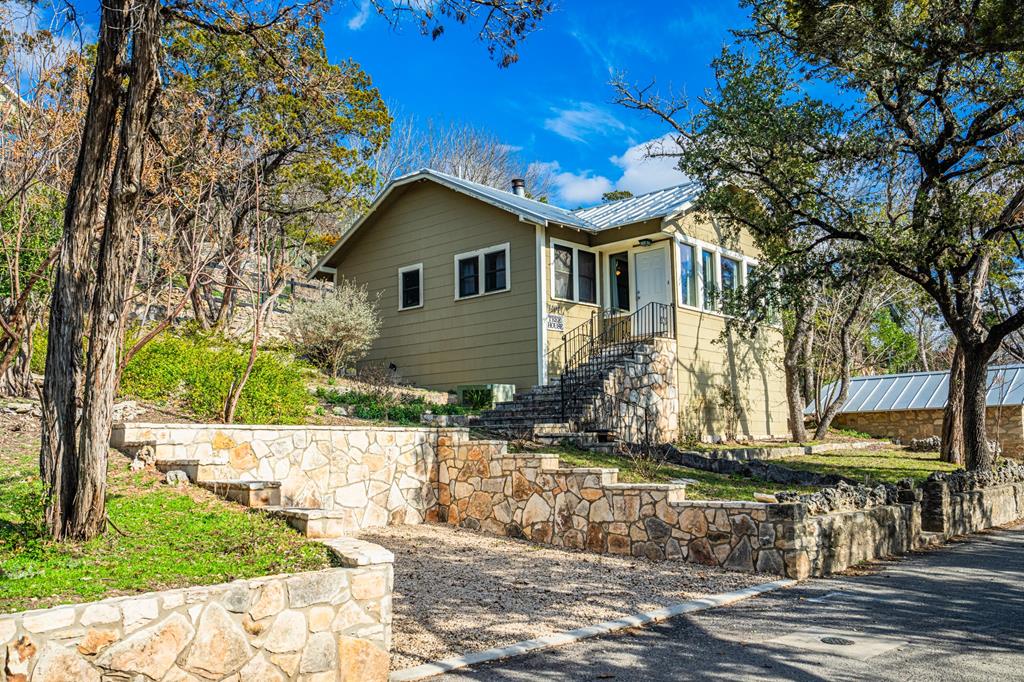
(687, 274)
(709, 279)
(732, 274)
(573, 273)
(410, 287)
(484, 271)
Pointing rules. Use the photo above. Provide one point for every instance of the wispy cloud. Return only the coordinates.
(583, 120)
(360, 18)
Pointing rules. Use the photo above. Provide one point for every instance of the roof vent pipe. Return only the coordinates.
(519, 187)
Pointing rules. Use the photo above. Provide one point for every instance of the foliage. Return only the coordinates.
(376, 407)
(891, 347)
(478, 398)
(170, 539)
(337, 330)
(617, 194)
(32, 226)
(197, 370)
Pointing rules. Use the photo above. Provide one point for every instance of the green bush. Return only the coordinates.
(197, 371)
(377, 408)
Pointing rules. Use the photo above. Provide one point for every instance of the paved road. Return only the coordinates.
(955, 613)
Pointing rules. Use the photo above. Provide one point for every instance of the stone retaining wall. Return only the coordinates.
(323, 625)
(963, 513)
(1004, 424)
(375, 476)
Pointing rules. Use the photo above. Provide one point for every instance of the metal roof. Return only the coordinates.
(922, 391)
(658, 204)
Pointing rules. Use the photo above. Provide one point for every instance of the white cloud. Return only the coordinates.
(643, 170)
(574, 189)
(583, 120)
(361, 17)
(641, 173)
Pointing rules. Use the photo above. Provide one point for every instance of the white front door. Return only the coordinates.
(651, 276)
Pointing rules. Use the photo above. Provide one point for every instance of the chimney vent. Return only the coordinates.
(519, 187)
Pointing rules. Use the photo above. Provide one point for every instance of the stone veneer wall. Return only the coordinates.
(1005, 425)
(374, 476)
(645, 379)
(323, 625)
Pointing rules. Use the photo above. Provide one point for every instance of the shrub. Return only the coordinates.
(197, 371)
(338, 330)
(379, 408)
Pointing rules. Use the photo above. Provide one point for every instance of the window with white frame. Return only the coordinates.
(709, 279)
(482, 272)
(573, 273)
(410, 287)
(732, 274)
(687, 275)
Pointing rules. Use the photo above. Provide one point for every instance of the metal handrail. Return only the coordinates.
(604, 347)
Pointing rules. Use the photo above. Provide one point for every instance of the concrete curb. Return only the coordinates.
(421, 672)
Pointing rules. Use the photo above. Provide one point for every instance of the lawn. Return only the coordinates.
(882, 465)
(708, 486)
(164, 538)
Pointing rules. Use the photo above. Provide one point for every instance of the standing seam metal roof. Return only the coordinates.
(922, 391)
(658, 204)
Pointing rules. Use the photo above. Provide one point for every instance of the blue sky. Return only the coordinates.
(555, 103)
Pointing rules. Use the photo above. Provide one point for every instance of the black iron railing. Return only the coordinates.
(589, 352)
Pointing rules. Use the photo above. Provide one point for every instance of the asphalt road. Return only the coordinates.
(955, 613)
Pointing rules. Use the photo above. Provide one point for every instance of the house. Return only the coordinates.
(484, 286)
(911, 405)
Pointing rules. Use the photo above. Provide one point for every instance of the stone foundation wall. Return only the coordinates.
(306, 626)
(642, 388)
(375, 476)
(1004, 424)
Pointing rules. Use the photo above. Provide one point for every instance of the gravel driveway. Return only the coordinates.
(457, 591)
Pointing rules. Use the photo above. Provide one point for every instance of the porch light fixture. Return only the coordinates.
(646, 242)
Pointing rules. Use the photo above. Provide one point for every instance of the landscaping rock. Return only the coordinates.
(151, 651)
(176, 477)
(260, 670)
(19, 657)
(57, 664)
(287, 633)
(361, 661)
(221, 646)
(314, 588)
(320, 654)
(97, 640)
(270, 601)
(52, 619)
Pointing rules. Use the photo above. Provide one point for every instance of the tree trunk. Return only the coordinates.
(792, 366)
(113, 276)
(16, 379)
(846, 365)
(977, 454)
(58, 463)
(952, 449)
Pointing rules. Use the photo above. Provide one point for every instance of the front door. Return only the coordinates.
(652, 277)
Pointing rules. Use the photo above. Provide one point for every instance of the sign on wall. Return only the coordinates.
(556, 323)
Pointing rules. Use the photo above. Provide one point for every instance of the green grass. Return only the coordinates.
(171, 538)
(884, 465)
(709, 486)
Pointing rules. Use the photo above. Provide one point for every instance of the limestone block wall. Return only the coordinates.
(328, 624)
(1004, 424)
(373, 476)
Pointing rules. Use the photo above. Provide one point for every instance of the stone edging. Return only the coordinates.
(434, 668)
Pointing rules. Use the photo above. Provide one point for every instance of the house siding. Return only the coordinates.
(487, 339)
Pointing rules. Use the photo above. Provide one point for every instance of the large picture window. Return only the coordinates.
(573, 274)
(410, 287)
(482, 272)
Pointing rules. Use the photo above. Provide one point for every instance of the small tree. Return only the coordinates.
(337, 330)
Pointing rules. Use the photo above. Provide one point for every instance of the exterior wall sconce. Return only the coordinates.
(646, 242)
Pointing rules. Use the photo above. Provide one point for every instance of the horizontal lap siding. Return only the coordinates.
(489, 339)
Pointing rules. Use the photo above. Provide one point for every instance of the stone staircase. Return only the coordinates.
(536, 414)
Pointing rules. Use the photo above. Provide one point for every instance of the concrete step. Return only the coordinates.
(313, 523)
(255, 494)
